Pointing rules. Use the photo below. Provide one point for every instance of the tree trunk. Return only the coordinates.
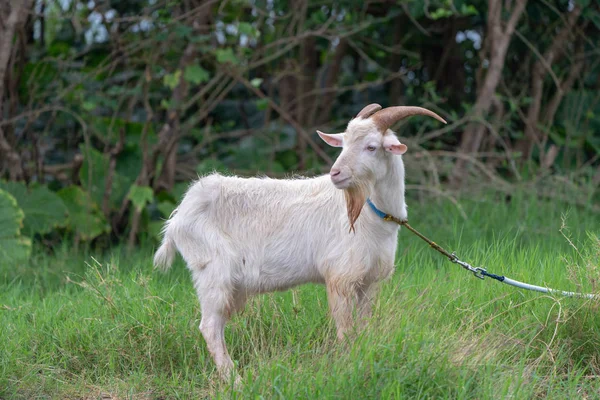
(397, 85)
(326, 101)
(538, 74)
(498, 39)
(17, 15)
(304, 85)
(169, 134)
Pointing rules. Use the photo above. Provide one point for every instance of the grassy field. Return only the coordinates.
(108, 326)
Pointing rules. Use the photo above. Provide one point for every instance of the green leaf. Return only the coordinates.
(468, 10)
(172, 80)
(288, 159)
(245, 28)
(226, 56)
(196, 74)
(13, 246)
(441, 13)
(166, 208)
(262, 104)
(209, 165)
(183, 30)
(592, 15)
(43, 209)
(85, 217)
(140, 196)
(166, 104)
(88, 105)
(179, 190)
(93, 178)
(155, 229)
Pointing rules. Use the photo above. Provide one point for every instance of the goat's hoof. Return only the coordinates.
(232, 378)
(237, 382)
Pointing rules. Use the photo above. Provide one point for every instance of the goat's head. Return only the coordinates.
(368, 146)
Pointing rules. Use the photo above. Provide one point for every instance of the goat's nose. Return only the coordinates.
(334, 171)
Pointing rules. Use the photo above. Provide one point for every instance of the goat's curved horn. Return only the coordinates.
(387, 117)
(368, 110)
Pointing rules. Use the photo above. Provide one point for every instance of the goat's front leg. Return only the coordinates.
(342, 301)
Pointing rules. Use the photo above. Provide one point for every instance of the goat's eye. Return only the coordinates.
(371, 148)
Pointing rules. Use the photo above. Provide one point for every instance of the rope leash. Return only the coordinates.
(478, 272)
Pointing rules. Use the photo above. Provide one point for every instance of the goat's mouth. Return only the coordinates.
(343, 183)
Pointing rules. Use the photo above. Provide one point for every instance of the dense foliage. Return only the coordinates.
(108, 108)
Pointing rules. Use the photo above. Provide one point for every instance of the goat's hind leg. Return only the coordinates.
(217, 302)
(365, 298)
(212, 327)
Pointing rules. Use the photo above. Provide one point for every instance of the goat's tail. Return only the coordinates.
(166, 253)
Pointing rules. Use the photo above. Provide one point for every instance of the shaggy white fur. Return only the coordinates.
(240, 237)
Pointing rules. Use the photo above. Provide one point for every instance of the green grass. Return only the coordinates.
(77, 326)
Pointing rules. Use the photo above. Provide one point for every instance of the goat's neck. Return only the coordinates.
(388, 194)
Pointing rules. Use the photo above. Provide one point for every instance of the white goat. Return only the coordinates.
(241, 237)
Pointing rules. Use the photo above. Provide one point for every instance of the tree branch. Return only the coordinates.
(542, 65)
(285, 116)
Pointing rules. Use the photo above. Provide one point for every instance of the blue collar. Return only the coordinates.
(384, 216)
(376, 210)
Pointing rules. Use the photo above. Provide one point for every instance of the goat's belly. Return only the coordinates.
(267, 286)
(269, 277)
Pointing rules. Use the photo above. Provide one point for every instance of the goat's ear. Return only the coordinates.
(393, 145)
(332, 139)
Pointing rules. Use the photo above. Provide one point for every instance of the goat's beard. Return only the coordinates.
(355, 200)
